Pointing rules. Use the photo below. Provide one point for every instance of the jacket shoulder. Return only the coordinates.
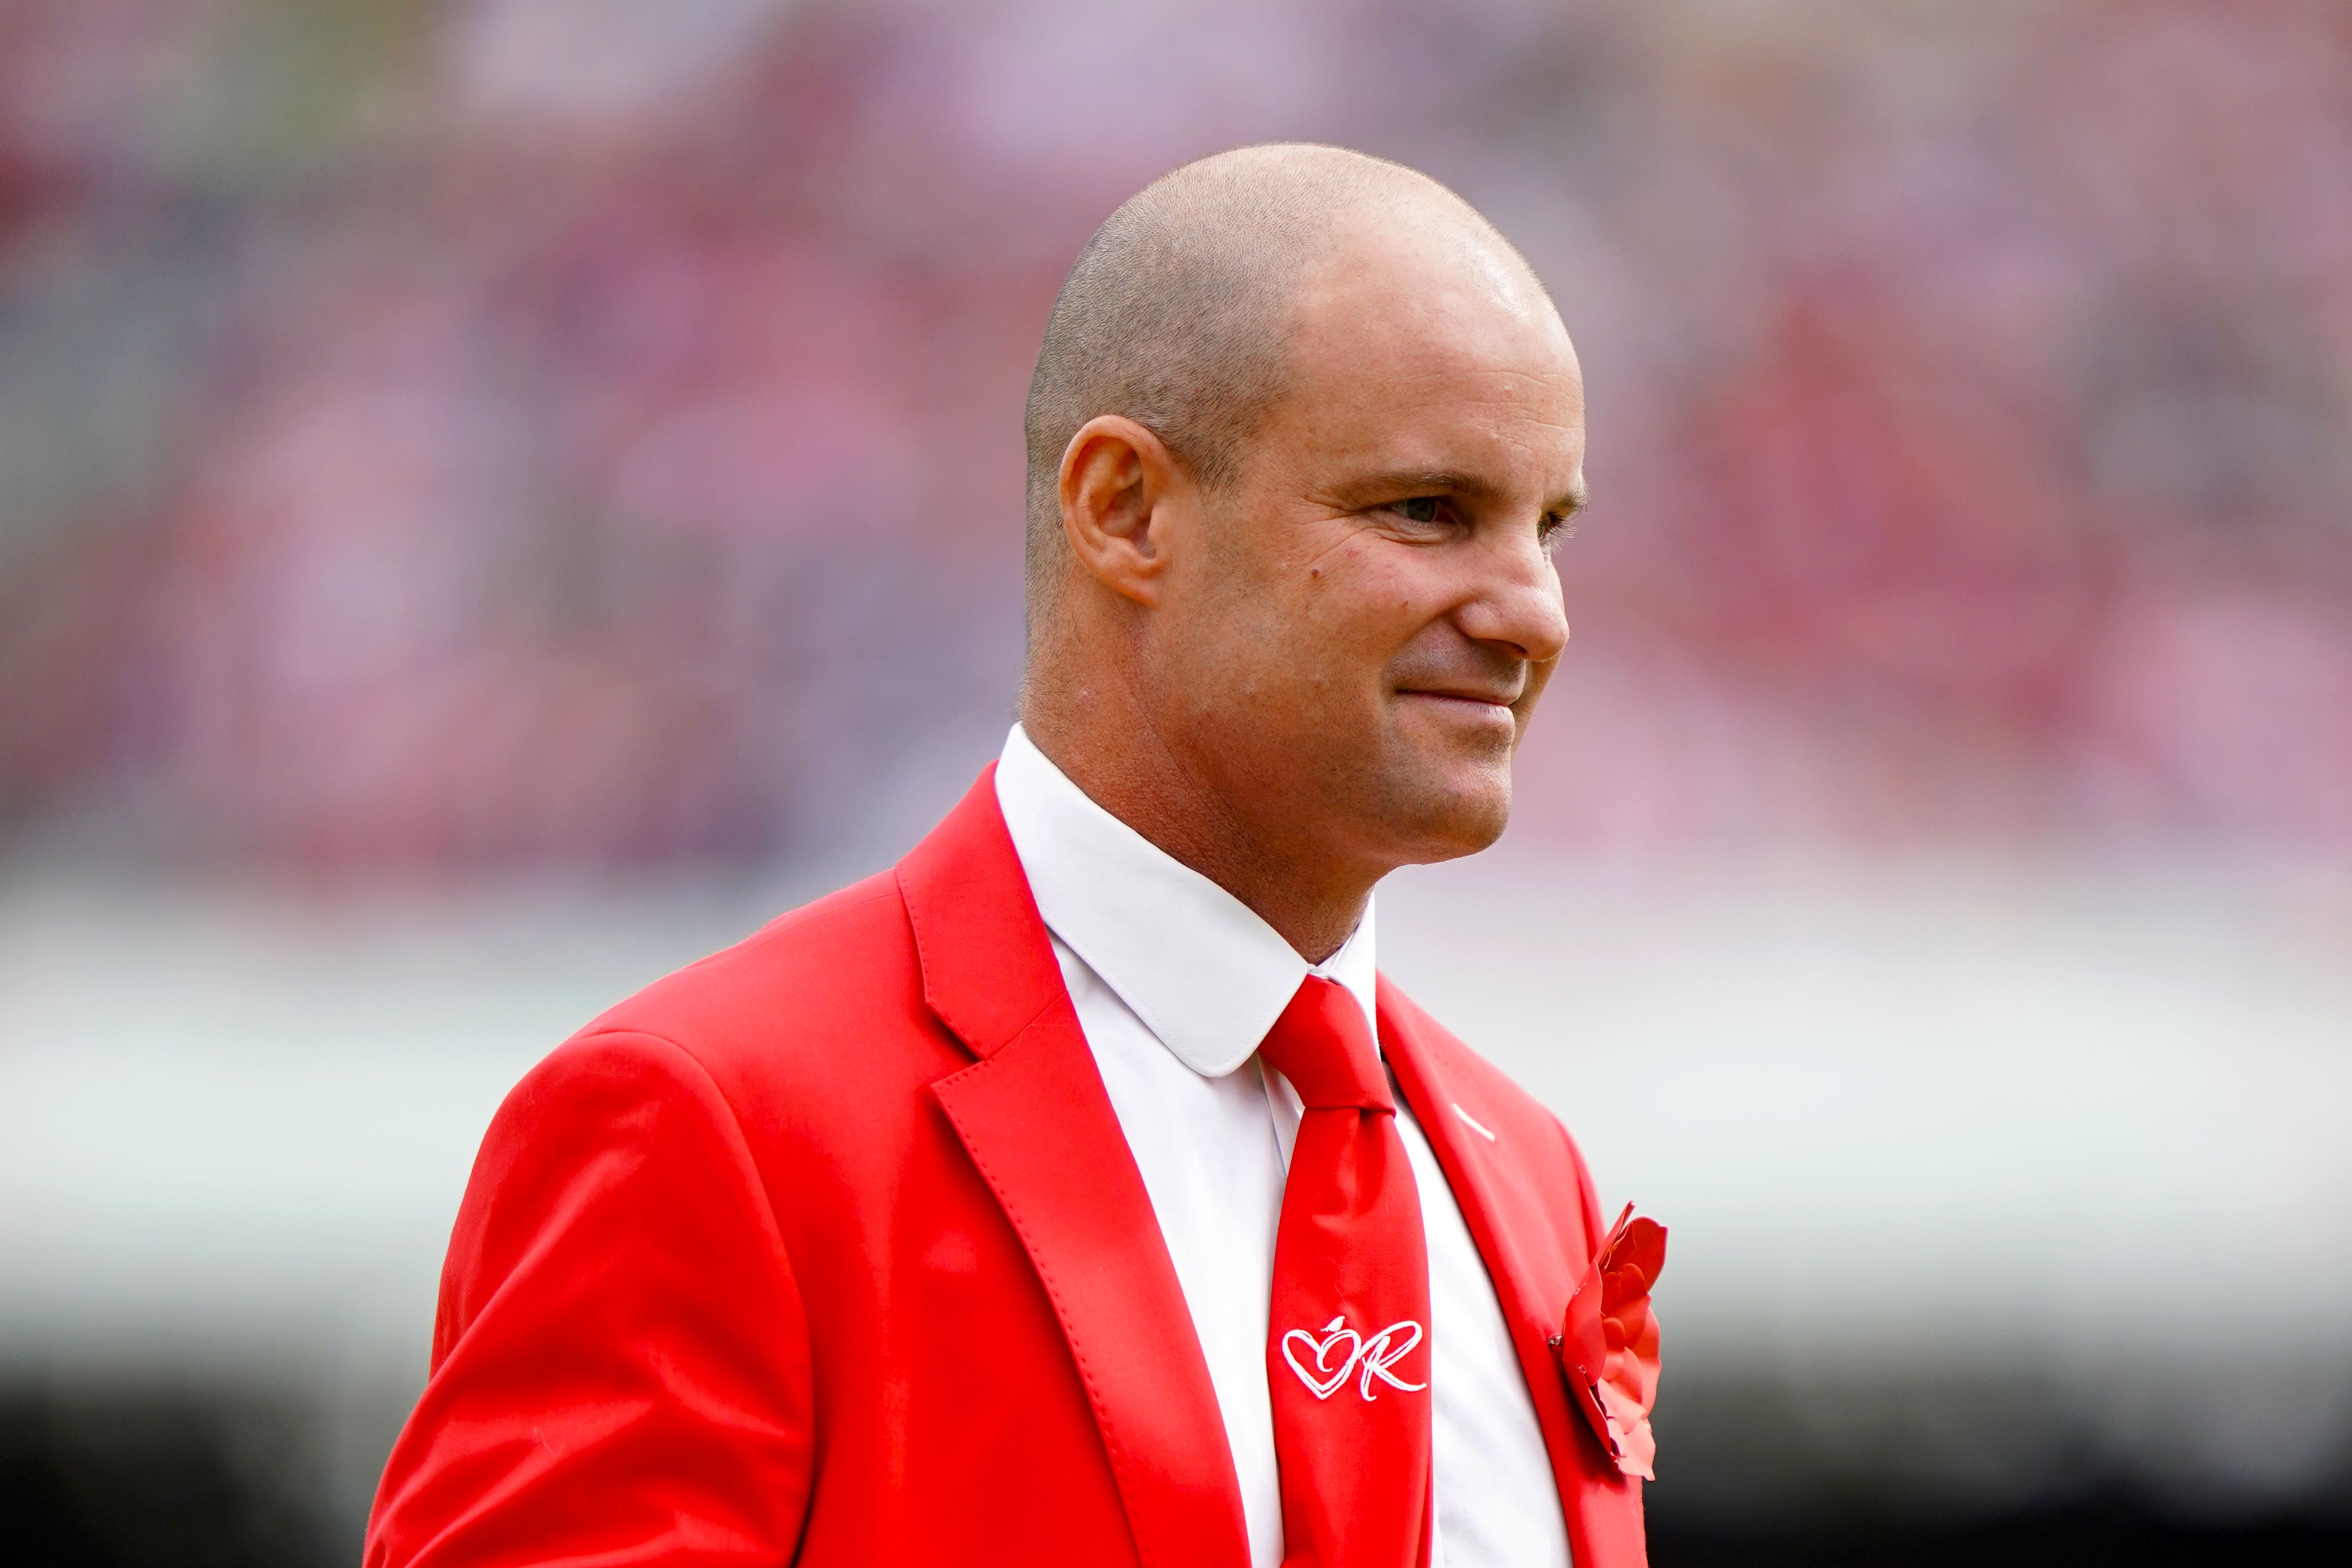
(847, 961)
(1502, 1107)
(1462, 1066)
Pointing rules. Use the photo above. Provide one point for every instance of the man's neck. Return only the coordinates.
(1124, 767)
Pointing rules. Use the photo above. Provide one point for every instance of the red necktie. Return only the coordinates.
(1346, 1357)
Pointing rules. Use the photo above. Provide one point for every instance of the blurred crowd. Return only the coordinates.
(445, 435)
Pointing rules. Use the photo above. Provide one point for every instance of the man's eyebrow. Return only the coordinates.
(1447, 481)
(1420, 481)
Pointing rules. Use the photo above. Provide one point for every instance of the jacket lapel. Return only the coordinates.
(1040, 1128)
(1510, 1218)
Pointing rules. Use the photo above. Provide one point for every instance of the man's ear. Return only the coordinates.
(1116, 480)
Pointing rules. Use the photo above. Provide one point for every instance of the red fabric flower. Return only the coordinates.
(1608, 1345)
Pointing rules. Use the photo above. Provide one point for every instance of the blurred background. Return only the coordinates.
(498, 499)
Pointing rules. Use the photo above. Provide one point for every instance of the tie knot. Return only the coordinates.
(1322, 1046)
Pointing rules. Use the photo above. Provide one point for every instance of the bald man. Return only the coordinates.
(1076, 1192)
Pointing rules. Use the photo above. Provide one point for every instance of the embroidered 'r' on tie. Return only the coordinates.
(1346, 1357)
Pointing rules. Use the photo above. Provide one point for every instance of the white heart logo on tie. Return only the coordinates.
(1333, 1332)
(1376, 1354)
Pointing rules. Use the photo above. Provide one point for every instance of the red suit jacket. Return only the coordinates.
(828, 1250)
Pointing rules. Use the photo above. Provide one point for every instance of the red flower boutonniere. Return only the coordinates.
(1608, 1345)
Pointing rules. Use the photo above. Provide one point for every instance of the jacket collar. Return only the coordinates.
(1033, 1114)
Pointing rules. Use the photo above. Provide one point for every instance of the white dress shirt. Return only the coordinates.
(1175, 982)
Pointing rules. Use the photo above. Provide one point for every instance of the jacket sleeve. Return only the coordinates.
(620, 1369)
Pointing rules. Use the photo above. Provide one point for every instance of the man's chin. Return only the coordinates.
(1444, 813)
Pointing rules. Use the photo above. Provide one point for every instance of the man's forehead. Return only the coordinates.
(1412, 258)
(1421, 343)
(1465, 414)
(1432, 326)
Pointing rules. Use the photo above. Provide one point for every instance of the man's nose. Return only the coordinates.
(1518, 600)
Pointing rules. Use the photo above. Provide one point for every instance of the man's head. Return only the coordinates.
(1301, 428)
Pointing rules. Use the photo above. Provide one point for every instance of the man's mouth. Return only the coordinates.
(1474, 698)
(1487, 714)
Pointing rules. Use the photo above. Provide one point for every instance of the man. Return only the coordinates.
(1048, 1199)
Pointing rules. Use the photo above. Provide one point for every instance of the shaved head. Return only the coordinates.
(1179, 312)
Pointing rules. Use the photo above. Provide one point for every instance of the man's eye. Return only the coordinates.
(1421, 508)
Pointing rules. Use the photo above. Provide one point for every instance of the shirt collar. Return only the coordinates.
(1196, 964)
